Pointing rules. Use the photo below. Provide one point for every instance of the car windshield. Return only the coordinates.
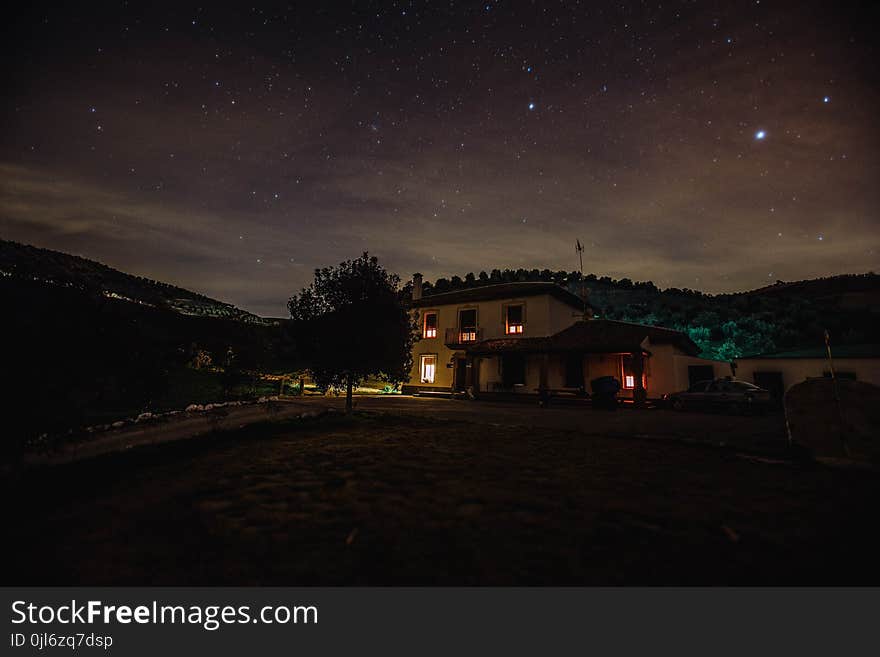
(726, 385)
(700, 386)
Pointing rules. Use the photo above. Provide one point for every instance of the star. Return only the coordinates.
(248, 104)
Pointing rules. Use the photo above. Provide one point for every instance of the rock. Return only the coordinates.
(194, 408)
(118, 424)
(143, 417)
(826, 427)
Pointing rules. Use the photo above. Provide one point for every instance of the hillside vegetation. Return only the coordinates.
(25, 262)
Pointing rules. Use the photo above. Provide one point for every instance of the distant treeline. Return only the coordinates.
(725, 326)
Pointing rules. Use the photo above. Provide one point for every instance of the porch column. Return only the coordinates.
(639, 392)
(470, 381)
(543, 393)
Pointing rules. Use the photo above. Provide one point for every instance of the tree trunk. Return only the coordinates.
(348, 387)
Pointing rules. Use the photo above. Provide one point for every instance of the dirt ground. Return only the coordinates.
(762, 433)
(410, 499)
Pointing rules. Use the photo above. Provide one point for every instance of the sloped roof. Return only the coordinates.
(600, 336)
(837, 351)
(500, 291)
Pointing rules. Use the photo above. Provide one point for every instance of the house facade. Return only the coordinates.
(538, 338)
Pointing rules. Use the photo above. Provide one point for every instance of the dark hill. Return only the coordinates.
(846, 291)
(25, 262)
(85, 341)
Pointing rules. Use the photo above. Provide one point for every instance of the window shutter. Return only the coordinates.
(514, 314)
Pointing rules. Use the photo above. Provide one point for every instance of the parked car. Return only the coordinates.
(722, 394)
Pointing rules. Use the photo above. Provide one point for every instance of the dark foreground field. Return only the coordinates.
(379, 499)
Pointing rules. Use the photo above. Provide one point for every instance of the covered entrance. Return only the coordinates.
(567, 362)
(461, 374)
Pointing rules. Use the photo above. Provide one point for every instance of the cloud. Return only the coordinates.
(235, 165)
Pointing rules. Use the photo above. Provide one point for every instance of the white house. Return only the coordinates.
(539, 338)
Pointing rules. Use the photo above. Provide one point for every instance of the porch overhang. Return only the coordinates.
(594, 336)
(527, 346)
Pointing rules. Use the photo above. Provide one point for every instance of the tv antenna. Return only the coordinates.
(580, 251)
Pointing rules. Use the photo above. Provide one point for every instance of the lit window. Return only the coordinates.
(428, 368)
(513, 324)
(430, 328)
(467, 323)
(629, 376)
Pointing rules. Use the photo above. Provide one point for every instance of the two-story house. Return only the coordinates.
(532, 338)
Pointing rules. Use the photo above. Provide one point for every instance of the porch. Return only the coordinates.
(568, 375)
(637, 356)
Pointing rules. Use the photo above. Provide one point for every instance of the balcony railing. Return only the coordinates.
(459, 337)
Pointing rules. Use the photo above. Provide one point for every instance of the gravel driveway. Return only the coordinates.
(412, 499)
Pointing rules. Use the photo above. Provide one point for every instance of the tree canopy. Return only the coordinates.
(351, 323)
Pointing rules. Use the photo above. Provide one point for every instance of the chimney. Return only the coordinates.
(417, 287)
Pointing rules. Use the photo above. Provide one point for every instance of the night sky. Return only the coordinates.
(704, 145)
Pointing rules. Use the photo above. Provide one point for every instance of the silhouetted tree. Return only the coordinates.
(352, 324)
